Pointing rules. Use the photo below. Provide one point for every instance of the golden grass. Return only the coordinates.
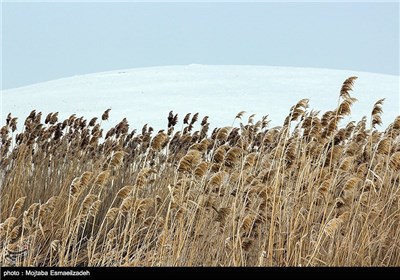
(313, 192)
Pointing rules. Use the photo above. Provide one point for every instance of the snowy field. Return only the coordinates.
(146, 95)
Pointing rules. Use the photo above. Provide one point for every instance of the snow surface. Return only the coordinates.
(146, 95)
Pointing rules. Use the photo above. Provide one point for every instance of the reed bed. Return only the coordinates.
(312, 192)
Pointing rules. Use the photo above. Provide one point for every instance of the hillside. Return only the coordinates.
(146, 95)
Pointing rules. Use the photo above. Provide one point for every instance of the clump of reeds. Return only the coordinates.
(313, 192)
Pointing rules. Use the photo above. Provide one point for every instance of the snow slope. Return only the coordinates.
(146, 95)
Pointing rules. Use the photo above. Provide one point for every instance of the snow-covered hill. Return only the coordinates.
(146, 95)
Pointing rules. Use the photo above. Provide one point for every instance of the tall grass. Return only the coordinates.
(312, 192)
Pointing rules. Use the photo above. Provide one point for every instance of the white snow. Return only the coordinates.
(146, 95)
